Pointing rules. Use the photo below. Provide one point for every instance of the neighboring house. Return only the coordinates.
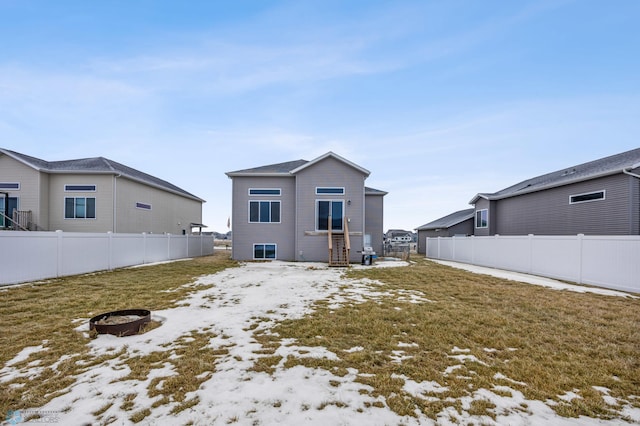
(91, 195)
(601, 197)
(399, 236)
(299, 209)
(457, 223)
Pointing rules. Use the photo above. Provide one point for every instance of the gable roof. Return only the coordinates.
(292, 167)
(278, 169)
(449, 220)
(372, 191)
(96, 165)
(606, 166)
(335, 156)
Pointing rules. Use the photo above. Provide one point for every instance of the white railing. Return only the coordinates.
(605, 261)
(29, 256)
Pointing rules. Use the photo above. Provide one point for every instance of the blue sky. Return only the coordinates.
(440, 100)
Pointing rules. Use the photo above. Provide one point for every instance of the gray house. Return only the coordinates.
(91, 195)
(601, 197)
(317, 210)
(457, 223)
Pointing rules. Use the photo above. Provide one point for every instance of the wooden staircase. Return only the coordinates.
(339, 245)
(20, 220)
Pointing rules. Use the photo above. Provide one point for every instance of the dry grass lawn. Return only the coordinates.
(541, 342)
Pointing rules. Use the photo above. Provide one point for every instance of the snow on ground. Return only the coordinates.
(236, 305)
(532, 279)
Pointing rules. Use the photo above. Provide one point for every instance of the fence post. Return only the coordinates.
(580, 263)
(110, 250)
(453, 249)
(60, 254)
(473, 249)
(168, 246)
(439, 247)
(144, 247)
(530, 253)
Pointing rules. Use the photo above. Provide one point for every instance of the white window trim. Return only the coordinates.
(333, 194)
(315, 219)
(80, 190)
(604, 197)
(263, 201)
(264, 244)
(279, 194)
(476, 219)
(17, 184)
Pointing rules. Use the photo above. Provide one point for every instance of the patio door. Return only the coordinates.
(335, 208)
(13, 205)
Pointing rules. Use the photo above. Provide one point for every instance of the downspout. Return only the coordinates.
(115, 194)
(627, 172)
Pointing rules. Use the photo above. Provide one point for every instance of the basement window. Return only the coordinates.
(264, 251)
(586, 197)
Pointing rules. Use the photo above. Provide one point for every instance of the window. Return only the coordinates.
(327, 208)
(329, 191)
(264, 251)
(79, 208)
(80, 188)
(143, 206)
(482, 218)
(583, 198)
(265, 191)
(264, 211)
(10, 185)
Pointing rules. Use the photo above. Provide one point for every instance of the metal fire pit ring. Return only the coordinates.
(101, 324)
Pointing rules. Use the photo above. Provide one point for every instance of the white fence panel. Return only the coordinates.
(127, 250)
(83, 253)
(556, 257)
(463, 249)
(604, 258)
(178, 247)
(29, 256)
(156, 248)
(606, 261)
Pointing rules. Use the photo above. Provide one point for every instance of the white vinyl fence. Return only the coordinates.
(29, 256)
(605, 261)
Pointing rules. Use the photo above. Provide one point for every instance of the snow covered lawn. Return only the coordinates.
(280, 343)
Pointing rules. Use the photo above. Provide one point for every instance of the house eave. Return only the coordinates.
(545, 187)
(249, 174)
(337, 157)
(124, 175)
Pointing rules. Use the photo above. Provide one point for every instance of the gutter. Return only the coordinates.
(627, 172)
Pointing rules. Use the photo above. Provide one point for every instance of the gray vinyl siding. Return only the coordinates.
(462, 228)
(549, 212)
(374, 206)
(329, 172)
(483, 204)
(246, 234)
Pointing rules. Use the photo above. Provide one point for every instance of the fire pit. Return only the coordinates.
(120, 323)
